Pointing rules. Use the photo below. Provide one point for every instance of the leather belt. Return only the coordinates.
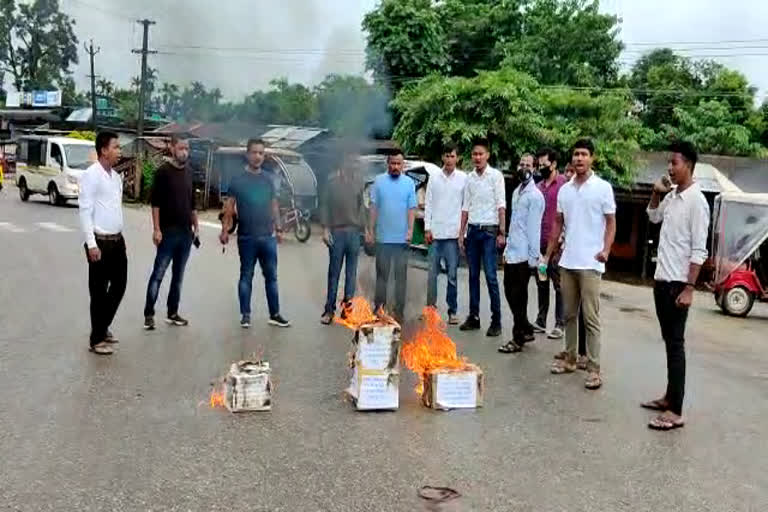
(108, 238)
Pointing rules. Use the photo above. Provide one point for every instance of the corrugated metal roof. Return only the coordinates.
(290, 137)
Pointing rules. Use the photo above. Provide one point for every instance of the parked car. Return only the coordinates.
(52, 166)
(419, 171)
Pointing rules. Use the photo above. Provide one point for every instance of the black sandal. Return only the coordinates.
(510, 348)
(656, 405)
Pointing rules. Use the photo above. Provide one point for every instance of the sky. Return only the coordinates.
(249, 42)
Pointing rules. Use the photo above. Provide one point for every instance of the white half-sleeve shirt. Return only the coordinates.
(584, 208)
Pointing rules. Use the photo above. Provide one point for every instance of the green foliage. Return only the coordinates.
(148, 170)
(700, 101)
(713, 128)
(518, 115)
(406, 40)
(82, 135)
(565, 42)
(556, 41)
(37, 44)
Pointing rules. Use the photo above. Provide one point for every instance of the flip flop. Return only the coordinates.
(102, 349)
(594, 381)
(655, 405)
(510, 348)
(664, 424)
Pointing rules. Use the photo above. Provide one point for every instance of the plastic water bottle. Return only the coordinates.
(542, 272)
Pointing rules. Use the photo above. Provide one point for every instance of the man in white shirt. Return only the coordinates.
(101, 220)
(483, 216)
(442, 221)
(587, 208)
(684, 218)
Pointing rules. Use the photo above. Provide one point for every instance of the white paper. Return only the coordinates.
(375, 352)
(378, 392)
(456, 390)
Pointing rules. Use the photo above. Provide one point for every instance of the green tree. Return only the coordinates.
(556, 41)
(105, 87)
(517, 115)
(406, 41)
(37, 44)
(565, 42)
(713, 128)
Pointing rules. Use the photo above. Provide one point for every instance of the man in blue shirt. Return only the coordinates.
(393, 208)
(522, 255)
(253, 196)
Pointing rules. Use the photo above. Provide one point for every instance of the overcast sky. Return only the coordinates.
(257, 40)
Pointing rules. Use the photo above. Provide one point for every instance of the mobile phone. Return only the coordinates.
(196, 242)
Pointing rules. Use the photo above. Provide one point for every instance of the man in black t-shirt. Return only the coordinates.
(175, 227)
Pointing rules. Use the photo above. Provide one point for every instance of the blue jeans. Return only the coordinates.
(174, 247)
(346, 246)
(481, 249)
(261, 250)
(448, 251)
(387, 256)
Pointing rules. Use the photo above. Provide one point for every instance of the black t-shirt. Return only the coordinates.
(253, 194)
(172, 193)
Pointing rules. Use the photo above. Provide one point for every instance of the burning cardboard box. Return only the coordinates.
(373, 358)
(247, 387)
(446, 380)
(454, 389)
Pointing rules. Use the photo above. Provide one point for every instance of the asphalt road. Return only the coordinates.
(132, 432)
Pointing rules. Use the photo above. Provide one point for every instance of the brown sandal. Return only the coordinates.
(662, 422)
(560, 367)
(594, 381)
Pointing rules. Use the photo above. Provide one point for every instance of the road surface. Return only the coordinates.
(132, 431)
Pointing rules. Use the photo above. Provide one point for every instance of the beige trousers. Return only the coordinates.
(581, 288)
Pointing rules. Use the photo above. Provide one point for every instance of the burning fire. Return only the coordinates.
(431, 349)
(358, 312)
(217, 398)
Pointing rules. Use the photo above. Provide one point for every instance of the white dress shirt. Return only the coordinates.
(483, 196)
(684, 221)
(442, 211)
(584, 208)
(100, 200)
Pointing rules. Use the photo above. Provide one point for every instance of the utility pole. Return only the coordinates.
(92, 53)
(143, 89)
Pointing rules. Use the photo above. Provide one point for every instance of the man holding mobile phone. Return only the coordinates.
(341, 214)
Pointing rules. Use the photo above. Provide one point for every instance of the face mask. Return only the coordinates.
(545, 172)
(524, 175)
(394, 176)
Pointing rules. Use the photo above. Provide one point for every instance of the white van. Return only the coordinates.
(52, 166)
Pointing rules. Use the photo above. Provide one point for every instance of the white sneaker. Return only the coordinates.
(538, 328)
(556, 334)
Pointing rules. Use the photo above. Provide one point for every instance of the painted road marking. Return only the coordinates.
(52, 226)
(10, 227)
(209, 224)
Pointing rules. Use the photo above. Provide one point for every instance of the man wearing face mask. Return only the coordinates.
(522, 253)
(175, 226)
(552, 180)
(393, 209)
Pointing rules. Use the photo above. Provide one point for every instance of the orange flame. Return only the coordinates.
(431, 348)
(218, 396)
(358, 312)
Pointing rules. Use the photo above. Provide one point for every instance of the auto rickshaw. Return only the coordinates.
(740, 251)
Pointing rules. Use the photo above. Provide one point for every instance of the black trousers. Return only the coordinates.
(516, 277)
(388, 256)
(672, 321)
(106, 283)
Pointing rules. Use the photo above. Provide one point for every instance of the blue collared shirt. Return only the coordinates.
(523, 240)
